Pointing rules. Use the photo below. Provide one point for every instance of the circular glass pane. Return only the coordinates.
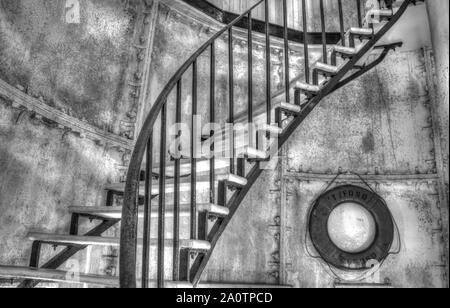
(351, 227)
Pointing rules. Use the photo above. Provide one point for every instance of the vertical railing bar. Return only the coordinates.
(324, 34)
(358, 4)
(305, 41)
(176, 203)
(341, 22)
(250, 79)
(231, 98)
(193, 155)
(162, 199)
(286, 52)
(212, 117)
(147, 214)
(268, 64)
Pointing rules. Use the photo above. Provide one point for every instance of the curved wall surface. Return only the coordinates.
(77, 66)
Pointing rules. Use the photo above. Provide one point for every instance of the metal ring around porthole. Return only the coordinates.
(377, 250)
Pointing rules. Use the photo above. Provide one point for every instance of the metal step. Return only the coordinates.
(327, 69)
(185, 166)
(233, 180)
(252, 153)
(307, 88)
(383, 14)
(272, 128)
(345, 51)
(110, 212)
(241, 139)
(288, 108)
(71, 240)
(18, 272)
(185, 186)
(363, 32)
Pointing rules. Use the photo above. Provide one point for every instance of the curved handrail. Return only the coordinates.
(128, 240)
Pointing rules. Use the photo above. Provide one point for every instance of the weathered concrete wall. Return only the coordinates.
(378, 123)
(43, 172)
(78, 68)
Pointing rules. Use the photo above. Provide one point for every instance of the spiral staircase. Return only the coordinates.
(160, 194)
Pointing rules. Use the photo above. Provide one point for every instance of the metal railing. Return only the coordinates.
(145, 147)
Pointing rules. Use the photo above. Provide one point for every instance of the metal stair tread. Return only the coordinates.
(361, 31)
(185, 166)
(383, 12)
(115, 212)
(59, 276)
(109, 241)
(345, 50)
(288, 107)
(252, 153)
(260, 126)
(272, 128)
(331, 69)
(233, 180)
(306, 87)
(185, 185)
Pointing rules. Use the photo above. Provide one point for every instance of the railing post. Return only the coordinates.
(286, 52)
(74, 223)
(194, 154)
(176, 203)
(305, 41)
(324, 34)
(212, 118)
(268, 64)
(162, 199)
(250, 80)
(341, 22)
(231, 96)
(147, 214)
(358, 4)
(35, 254)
